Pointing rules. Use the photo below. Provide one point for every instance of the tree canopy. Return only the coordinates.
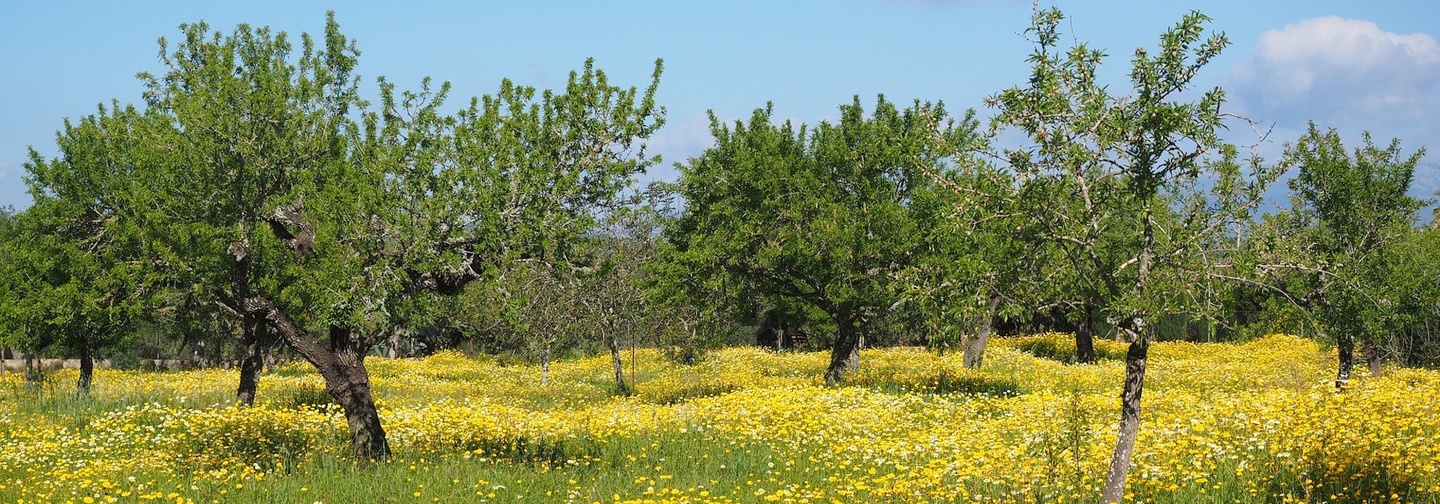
(823, 216)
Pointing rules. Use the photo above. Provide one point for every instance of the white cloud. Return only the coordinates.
(678, 141)
(1351, 75)
(1341, 71)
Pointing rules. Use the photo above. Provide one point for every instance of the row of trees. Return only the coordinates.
(257, 194)
(256, 182)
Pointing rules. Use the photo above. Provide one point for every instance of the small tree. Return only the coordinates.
(978, 263)
(74, 268)
(1137, 192)
(1336, 251)
(822, 216)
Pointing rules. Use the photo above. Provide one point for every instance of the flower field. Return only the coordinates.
(1254, 422)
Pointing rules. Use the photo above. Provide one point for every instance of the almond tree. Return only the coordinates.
(1137, 192)
(1336, 251)
(821, 216)
(72, 270)
(259, 180)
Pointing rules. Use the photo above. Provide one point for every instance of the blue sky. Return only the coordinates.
(1350, 65)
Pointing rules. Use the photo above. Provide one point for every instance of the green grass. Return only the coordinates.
(678, 464)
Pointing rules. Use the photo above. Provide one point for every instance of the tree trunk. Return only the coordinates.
(853, 362)
(1129, 419)
(1372, 357)
(619, 365)
(349, 383)
(34, 376)
(1085, 337)
(975, 347)
(256, 341)
(341, 365)
(545, 364)
(1345, 347)
(87, 371)
(846, 348)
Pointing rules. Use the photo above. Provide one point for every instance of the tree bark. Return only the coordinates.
(1373, 358)
(975, 347)
(1345, 348)
(846, 346)
(341, 365)
(853, 362)
(349, 383)
(87, 371)
(545, 364)
(256, 342)
(1085, 337)
(619, 365)
(34, 376)
(1135, 360)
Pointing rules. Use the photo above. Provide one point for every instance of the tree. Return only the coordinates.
(978, 263)
(821, 216)
(262, 182)
(1137, 192)
(1338, 247)
(74, 263)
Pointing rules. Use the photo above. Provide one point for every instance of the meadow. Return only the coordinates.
(1253, 422)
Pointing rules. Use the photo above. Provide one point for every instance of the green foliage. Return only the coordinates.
(1046, 347)
(823, 216)
(1135, 192)
(73, 273)
(1340, 251)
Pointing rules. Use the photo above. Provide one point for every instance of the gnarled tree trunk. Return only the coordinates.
(349, 383)
(975, 346)
(1373, 358)
(1135, 361)
(256, 341)
(845, 351)
(342, 366)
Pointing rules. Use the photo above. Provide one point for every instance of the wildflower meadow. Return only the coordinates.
(1252, 422)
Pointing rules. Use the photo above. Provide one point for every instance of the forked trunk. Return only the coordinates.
(87, 371)
(1345, 347)
(975, 346)
(847, 346)
(1373, 358)
(1085, 338)
(1129, 419)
